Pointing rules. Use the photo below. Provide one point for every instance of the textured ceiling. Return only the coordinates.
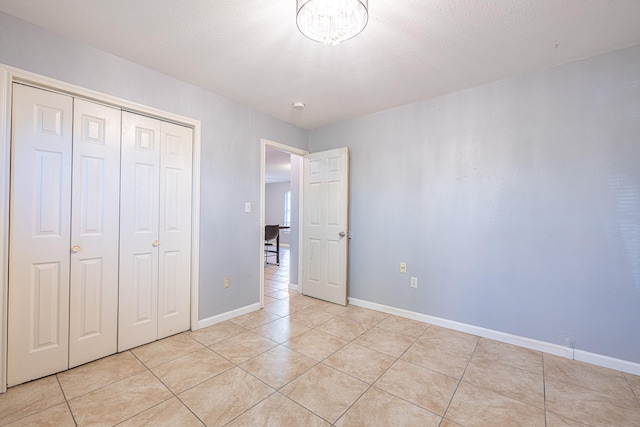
(252, 52)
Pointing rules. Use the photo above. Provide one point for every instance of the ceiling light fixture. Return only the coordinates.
(331, 21)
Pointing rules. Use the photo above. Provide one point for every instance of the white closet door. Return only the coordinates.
(93, 329)
(39, 245)
(175, 230)
(138, 298)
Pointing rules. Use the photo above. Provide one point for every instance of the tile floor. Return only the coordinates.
(304, 362)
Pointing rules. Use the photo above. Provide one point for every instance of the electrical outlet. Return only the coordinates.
(414, 282)
(403, 267)
(227, 282)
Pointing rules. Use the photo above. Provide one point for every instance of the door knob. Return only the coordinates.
(75, 249)
(342, 234)
(156, 243)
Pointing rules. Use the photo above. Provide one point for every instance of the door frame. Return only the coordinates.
(9, 75)
(264, 143)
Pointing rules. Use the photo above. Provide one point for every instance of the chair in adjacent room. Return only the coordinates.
(272, 243)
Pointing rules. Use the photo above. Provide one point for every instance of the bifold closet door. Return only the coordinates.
(93, 326)
(63, 256)
(174, 281)
(155, 230)
(39, 251)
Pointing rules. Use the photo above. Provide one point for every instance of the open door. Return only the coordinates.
(326, 225)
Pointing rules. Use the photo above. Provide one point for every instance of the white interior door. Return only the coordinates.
(39, 247)
(174, 284)
(326, 225)
(93, 330)
(140, 166)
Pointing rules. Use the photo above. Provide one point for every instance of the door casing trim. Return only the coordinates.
(264, 143)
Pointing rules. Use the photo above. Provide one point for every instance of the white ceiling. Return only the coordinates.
(252, 52)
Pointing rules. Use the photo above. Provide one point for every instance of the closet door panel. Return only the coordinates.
(175, 229)
(39, 246)
(140, 168)
(95, 224)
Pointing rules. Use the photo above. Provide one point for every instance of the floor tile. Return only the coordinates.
(554, 420)
(278, 366)
(268, 300)
(423, 387)
(221, 399)
(401, 325)
(325, 391)
(365, 364)
(331, 308)
(589, 406)
(281, 330)
(448, 423)
(187, 371)
(278, 411)
(475, 406)
(515, 383)
(242, 347)
(449, 338)
(343, 328)
(296, 305)
(378, 408)
(254, 319)
(588, 376)
(279, 308)
(26, 399)
(315, 344)
(92, 376)
(170, 413)
(511, 355)
(438, 358)
(311, 317)
(56, 416)
(162, 351)
(634, 382)
(364, 316)
(119, 401)
(216, 333)
(278, 294)
(387, 342)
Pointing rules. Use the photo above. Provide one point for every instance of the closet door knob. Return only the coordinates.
(75, 249)
(156, 243)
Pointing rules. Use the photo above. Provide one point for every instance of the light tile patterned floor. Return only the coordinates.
(304, 362)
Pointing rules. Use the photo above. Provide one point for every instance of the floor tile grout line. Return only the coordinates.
(460, 380)
(633, 392)
(73, 417)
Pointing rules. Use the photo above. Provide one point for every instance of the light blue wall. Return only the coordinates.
(516, 204)
(230, 162)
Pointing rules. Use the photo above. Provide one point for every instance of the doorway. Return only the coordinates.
(281, 181)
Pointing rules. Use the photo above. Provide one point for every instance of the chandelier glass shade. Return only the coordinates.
(331, 21)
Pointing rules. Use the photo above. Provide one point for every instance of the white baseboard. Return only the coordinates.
(555, 349)
(293, 287)
(228, 315)
(607, 362)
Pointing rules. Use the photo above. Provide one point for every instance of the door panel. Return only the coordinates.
(325, 225)
(140, 166)
(175, 230)
(39, 244)
(93, 331)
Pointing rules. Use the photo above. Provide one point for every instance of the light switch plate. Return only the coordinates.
(247, 207)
